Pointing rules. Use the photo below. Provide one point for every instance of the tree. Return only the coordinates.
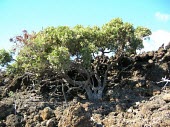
(69, 57)
(5, 57)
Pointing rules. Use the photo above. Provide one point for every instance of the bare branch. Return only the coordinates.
(164, 80)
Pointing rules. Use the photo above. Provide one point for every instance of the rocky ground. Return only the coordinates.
(135, 99)
(27, 109)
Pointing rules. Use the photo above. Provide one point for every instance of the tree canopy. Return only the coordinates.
(63, 49)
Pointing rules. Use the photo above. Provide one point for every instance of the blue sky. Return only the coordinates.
(33, 15)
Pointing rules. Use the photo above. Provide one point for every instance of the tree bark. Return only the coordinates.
(94, 90)
(95, 95)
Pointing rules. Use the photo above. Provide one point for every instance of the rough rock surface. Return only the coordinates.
(134, 99)
(75, 116)
(14, 121)
(152, 112)
(6, 108)
(46, 113)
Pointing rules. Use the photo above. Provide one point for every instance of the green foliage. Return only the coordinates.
(59, 58)
(5, 57)
(142, 32)
(13, 69)
(11, 94)
(120, 36)
(55, 47)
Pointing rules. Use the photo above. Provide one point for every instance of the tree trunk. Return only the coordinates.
(95, 95)
(93, 89)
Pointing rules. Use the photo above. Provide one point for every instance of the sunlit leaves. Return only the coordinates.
(55, 47)
(49, 35)
(59, 58)
(142, 32)
(122, 36)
